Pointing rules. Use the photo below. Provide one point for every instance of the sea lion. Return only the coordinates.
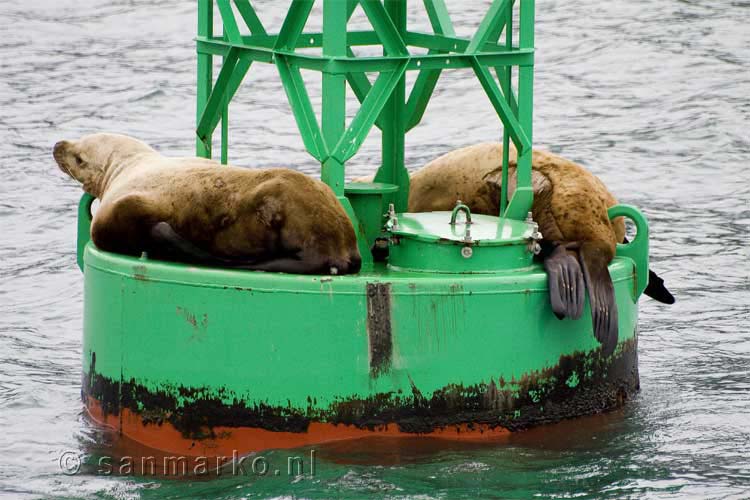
(196, 210)
(570, 206)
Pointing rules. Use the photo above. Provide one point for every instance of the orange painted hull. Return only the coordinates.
(233, 441)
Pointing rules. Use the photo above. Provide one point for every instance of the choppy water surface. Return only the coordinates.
(650, 95)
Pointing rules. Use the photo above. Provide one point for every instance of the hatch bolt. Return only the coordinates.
(535, 237)
(392, 219)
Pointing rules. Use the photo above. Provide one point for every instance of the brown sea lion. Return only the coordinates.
(570, 206)
(193, 209)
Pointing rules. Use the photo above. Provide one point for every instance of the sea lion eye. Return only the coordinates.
(78, 159)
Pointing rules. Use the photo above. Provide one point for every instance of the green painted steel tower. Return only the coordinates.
(382, 103)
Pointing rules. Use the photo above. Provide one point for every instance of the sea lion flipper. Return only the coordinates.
(304, 264)
(566, 283)
(168, 241)
(601, 291)
(287, 265)
(656, 289)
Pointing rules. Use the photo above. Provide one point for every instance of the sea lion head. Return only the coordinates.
(88, 159)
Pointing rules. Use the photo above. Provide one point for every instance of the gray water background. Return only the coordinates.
(650, 95)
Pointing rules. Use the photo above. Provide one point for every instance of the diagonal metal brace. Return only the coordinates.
(490, 25)
(439, 17)
(360, 85)
(294, 23)
(511, 124)
(229, 80)
(426, 81)
(420, 95)
(299, 100)
(252, 21)
(231, 30)
(212, 110)
(368, 112)
(392, 42)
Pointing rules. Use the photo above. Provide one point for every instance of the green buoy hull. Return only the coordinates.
(198, 349)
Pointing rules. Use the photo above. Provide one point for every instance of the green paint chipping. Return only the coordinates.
(535, 396)
(196, 411)
(572, 380)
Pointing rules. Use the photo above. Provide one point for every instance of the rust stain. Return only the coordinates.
(199, 327)
(189, 317)
(379, 327)
(139, 273)
(539, 397)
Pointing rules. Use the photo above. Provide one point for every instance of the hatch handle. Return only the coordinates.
(460, 207)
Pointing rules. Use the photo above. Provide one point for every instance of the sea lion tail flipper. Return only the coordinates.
(167, 241)
(566, 284)
(308, 263)
(286, 265)
(656, 289)
(595, 258)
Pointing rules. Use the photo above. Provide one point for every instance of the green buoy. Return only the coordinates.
(453, 337)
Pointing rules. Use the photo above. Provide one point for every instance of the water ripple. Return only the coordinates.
(651, 96)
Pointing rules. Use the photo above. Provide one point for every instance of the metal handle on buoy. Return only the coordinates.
(460, 207)
(636, 250)
(84, 226)
(466, 251)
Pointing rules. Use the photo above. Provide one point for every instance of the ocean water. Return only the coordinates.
(652, 96)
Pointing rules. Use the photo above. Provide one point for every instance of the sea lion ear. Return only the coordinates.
(73, 156)
(540, 183)
(494, 183)
(494, 178)
(76, 158)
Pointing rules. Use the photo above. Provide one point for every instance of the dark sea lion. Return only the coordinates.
(570, 206)
(196, 210)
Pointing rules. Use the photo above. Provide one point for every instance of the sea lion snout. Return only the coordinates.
(350, 266)
(354, 264)
(63, 156)
(59, 150)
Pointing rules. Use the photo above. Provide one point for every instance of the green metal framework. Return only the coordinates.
(383, 102)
